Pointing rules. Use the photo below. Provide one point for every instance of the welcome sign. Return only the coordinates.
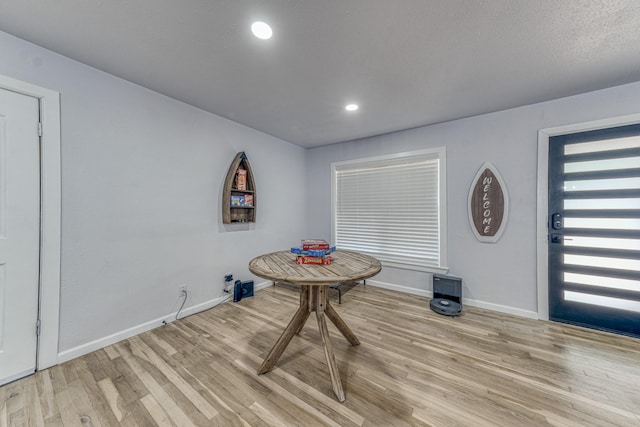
(488, 204)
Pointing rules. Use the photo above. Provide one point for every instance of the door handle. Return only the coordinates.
(556, 238)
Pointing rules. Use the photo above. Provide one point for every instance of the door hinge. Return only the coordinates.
(38, 327)
(39, 128)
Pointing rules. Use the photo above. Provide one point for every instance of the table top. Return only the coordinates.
(346, 266)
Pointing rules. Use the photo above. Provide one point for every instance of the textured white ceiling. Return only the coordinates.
(407, 63)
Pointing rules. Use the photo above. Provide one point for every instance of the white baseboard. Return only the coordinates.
(83, 349)
(399, 288)
(135, 330)
(15, 377)
(262, 285)
(200, 307)
(465, 301)
(501, 308)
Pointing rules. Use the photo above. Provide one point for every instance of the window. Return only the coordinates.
(393, 208)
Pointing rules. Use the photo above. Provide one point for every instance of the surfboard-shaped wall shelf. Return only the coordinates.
(488, 204)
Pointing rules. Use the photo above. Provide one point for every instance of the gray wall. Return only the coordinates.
(142, 176)
(498, 275)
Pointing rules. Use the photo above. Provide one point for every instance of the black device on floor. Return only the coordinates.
(447, 295)
(242, 290)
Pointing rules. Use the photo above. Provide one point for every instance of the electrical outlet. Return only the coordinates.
(182, 290)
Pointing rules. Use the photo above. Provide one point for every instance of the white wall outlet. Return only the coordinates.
(182, 290)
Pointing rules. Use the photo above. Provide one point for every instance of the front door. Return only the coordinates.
(19, 233)
(594, 229)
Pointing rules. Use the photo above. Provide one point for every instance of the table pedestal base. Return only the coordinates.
(313, 298)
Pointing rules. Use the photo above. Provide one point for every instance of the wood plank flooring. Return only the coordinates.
(413, 368)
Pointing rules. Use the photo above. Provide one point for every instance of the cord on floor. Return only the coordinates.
(185, 295)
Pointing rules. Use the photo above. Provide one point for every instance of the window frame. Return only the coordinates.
(440, 152)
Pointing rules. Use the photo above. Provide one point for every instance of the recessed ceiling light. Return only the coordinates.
(351, 107)
(261, 30)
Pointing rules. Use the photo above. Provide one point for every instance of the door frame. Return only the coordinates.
(50, 217)
(542, 206)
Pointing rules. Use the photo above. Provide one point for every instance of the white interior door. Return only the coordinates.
(19, 233)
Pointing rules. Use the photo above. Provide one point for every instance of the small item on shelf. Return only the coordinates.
(241, 182)
(322, 260)
(237, 201)
(310, 244)
(248, 199)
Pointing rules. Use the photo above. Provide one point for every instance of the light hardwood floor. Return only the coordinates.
(413, 367)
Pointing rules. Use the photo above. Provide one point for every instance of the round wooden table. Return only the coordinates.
(314, 281)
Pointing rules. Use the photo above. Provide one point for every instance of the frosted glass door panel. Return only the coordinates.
(602, 281)
(599, 146)
(602, 165)
(603, 184)
(622, 304)
(604, 223)
(604, 262)
(590, 204)
(602, 242)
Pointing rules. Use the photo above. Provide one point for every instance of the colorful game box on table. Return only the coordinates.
(313, 252)
(314, 244)
(319, 260)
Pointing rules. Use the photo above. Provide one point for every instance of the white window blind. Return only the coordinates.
(391, 208)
